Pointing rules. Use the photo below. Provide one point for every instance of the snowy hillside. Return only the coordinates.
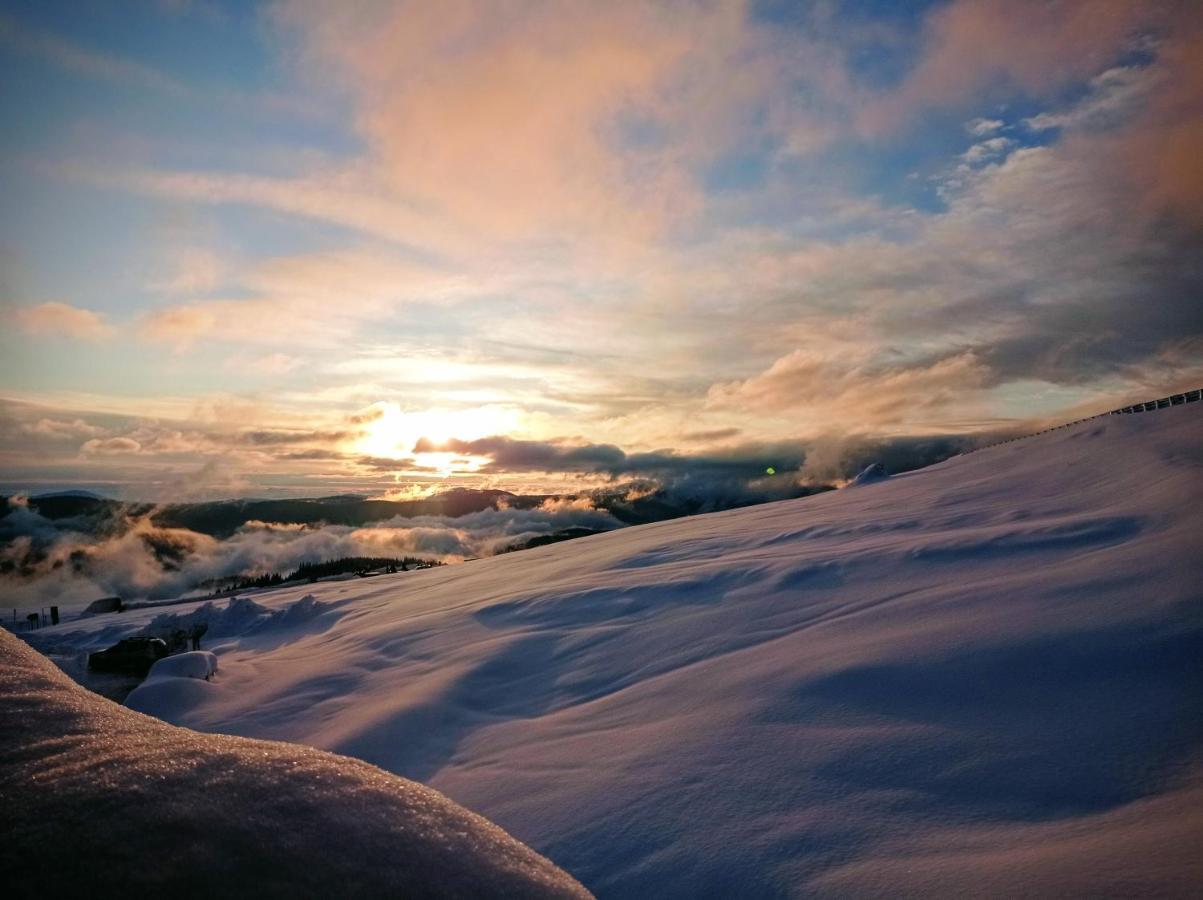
(981, 677)
(103, 802)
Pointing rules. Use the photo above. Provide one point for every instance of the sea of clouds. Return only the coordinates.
(70, 562)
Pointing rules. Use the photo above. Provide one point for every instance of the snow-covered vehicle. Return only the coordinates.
(132, 655)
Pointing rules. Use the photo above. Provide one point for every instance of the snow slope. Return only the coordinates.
(981, 678)
(104, 802)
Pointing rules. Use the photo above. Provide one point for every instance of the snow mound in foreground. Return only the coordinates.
(104, 801)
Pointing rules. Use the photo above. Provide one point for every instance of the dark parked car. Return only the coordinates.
(133, 656)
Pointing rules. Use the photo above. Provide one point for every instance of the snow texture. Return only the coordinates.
(870, 474)
(104, 802)
(982, 678)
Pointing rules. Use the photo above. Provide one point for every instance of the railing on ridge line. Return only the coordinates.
(1161, 403)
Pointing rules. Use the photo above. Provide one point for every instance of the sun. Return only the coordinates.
(394, 432)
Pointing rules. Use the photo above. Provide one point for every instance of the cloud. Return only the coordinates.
(269, 438)
(110, 446)
(1040, 271)
(982, 127)
(181, 325)
(988, 150)
(151, 438)
(1158, 149)
(213, 478)
(121, 71)
(310, 300)
(982, 48)
(455, 103)
(858, 395)
(195, 270)
(469, 153)
(61, 430)
(679, 483)
(732, 470)
(709, 435)
(675, 225)
(85, 62)
(351, 197)
(132, 557)
(55, 319)
(1114, 95)
(270, 363)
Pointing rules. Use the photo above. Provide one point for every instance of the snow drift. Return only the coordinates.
(173, 682)
(102, 801)
(194, 664)
(980, 678)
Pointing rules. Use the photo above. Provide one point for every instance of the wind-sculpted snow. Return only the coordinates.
(99, 801)
(240, 615)
(983, 678)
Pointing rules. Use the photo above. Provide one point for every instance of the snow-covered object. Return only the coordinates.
(174, 682)
(871, 473)
(979, 679)
(193, 664)
(99, 801)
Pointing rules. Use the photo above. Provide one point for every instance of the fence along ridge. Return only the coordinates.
(1147, 406)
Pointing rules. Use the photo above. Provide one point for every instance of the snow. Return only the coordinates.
(173, 683)
(194, 664)
(240, 615)
(982, 678)
(102, 801)
(871, 473)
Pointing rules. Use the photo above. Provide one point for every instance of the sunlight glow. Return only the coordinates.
(395, 432)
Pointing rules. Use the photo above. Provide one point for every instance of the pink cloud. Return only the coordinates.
(500, 121)
(62, 319)
(180, 325)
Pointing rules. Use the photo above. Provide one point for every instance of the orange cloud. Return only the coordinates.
(110, 446)
(180, 325)
(517, 123)
(62, 319)
(840, 391)
(309, 300)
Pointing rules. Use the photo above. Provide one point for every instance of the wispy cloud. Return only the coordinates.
(1114, 94)
(57, 319)
(86, 62)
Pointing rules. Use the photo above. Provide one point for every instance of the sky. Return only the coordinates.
(309, 248)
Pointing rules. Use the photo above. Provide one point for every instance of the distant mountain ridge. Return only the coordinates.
(222, 518)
